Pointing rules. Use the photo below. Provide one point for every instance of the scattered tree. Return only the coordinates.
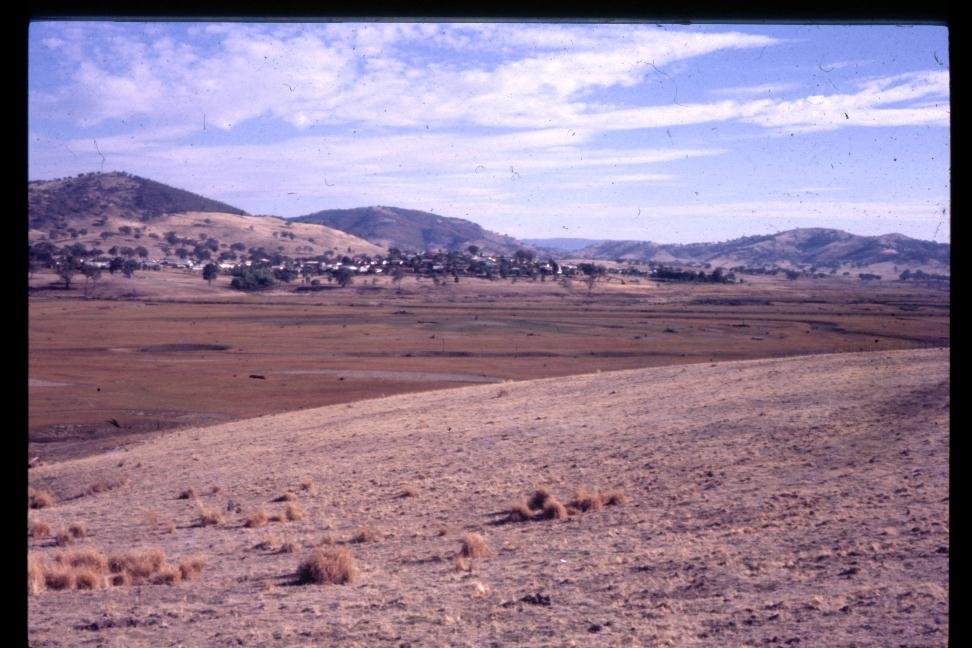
(210, 272)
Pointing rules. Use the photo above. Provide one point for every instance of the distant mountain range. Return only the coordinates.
(806, 247)
(413, 230)
(119, 209)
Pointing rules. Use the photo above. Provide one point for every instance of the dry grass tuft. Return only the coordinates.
(208, 517)
(62, 538)
(38, 529)
(139, 565)
(463, 564)
(105, 485)
(35, 574)
(366, 534)
(554, 510)
(540, 497)
(216, 489)
(152, 519)
(168, 575)
(189, 493)
(77, 530)
(256, 520)
(58, 577)
(294, 512)
(39, 499)
(474, 546)
(442, 531)
(269, 543)
(88, 558)
(120, 580)
(325, 541)
(333, 566)
(87, 579)
(286, 497)
(614, 497)
(584, 501)
(519, 513)
(191, 567)
(287, 547)
(409, 491)
(308, 485)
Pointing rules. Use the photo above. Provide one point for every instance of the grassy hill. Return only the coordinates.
(413, 230)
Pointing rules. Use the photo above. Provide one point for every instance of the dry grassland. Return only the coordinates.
(790, 501)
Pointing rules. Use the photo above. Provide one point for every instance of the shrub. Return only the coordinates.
(584, 501)
(333, 566)
(474, 546)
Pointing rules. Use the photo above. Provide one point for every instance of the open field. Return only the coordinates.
(795, 501)
(166, 349)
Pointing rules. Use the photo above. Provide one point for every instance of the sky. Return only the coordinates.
(667, 133)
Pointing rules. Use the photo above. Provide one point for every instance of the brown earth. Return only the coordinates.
(165, 349)
(798, 501)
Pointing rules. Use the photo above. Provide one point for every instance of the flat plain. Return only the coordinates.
(782, 449)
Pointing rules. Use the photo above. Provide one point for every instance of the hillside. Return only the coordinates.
(413, 230)
(116, 210)
(799, 501)
(800, 248)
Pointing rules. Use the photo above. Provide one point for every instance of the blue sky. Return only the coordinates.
(669, 133)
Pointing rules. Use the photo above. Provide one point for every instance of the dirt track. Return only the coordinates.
(800, 501)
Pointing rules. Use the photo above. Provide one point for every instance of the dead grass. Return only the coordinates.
(216, 489)
(139, 565)
(294, 512)
(167, 575)
(519, 513)
(152, 519)
(78, 530)
(329, 566)
(105, 485)
(584, 501)
(614, 498)
(62, 538)
(267, 544)
(539, 498)
(308, 485)
(554, 510)
(366, 534)
(88, 579)
(58, 577)
(208, 517)
(38, 529)
(35, 574)
(88, 558)
(287, 547)
(286, 497)
(409, 491)
(37, 499)
(474, 546)
(189, 493)
(191, 567)
(256, 520)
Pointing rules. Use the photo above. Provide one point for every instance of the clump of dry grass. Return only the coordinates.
(366, 534)
(58, 577)
(256, 520)
(35, 574)
(286, 497)
(189, 493)
(167, 575)
(519, 513)
(584, 501)
(216, 489)
(539, 498)
(268, 543)
(38, 529)
(294, 512)
(408, 491)
(62, 538)
(333, 566)
(287, 547)
(308, 485)
(38, 499)
(152, 519)
(554, 510)
(78, 530)
(88, 558)
(191, 567)
(474, 546)
(105, 485)
(614, 498)
(208, 517)
(87, 579)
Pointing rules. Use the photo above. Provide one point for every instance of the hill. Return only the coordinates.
(117, 210)
(413, 230)
(786, 501)
(798, 248)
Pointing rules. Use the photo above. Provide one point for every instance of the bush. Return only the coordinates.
(335, 566)
(250, 278)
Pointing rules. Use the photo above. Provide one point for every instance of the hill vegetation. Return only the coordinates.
(413, 230)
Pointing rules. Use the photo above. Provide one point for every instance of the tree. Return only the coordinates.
(344, 277)
(252, 278)
(116, 264)
(210, 272)
(473, 249)
(91, 274)
(129, 267)
(66, 269)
